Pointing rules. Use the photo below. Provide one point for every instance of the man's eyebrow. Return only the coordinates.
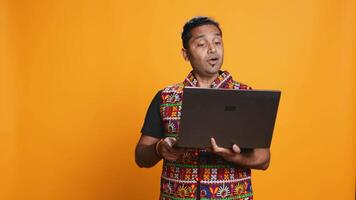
(201, 36)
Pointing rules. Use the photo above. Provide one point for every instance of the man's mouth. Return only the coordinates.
(213, 60)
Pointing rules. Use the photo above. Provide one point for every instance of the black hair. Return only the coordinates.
(195, 22)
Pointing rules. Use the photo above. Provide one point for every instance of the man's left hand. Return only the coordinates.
(228, 154)
(258, 158)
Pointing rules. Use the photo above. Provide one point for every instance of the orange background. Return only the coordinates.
(76, 78)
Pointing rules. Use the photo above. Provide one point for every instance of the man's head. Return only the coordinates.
(203, 46)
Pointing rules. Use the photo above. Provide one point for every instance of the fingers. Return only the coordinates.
(214, 146)
(236, 148)
(219, 150)
(168, 151)
(170, 141)
(226, 153)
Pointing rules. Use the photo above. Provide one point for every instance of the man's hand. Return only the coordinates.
(227, 154)
(256, 159)
(167, 151)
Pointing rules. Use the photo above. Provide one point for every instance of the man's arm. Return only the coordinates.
(258, 158)
(146, 155)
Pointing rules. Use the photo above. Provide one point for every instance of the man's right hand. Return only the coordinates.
(167, 151)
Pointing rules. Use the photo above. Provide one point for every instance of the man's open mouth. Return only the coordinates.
(213, 60)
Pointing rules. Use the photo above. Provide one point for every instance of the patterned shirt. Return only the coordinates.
(197, 174)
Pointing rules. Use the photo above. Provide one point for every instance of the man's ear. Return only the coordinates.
(185, 54)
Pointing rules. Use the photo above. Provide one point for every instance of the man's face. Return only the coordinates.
(205, 50)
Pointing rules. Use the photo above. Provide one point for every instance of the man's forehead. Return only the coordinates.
(204, 30)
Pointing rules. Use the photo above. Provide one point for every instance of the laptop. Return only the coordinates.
(242, 117)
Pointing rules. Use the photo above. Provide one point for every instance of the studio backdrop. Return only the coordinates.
(76, 79)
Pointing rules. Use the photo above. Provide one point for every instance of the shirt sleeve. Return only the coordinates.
(153, 121)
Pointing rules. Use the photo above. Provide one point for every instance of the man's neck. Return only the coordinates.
(205, 81)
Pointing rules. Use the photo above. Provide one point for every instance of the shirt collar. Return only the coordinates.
(219, 82)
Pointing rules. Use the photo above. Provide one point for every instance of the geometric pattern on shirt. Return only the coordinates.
(199, 174)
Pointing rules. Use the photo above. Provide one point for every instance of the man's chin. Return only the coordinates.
(214, 69)
(208, 71)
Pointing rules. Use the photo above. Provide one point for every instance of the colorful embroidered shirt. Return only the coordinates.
(199, 174)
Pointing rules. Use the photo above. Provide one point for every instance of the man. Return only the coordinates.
(216, 173)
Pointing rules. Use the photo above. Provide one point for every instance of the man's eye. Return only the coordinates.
(201, 44)
(217, 42)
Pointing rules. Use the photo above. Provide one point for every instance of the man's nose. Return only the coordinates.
(212, 48)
